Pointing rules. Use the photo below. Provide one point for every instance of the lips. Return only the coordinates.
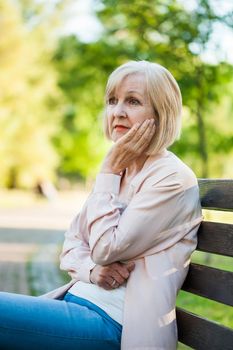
(120, 127)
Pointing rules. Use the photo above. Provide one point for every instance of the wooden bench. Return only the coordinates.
(215, 284)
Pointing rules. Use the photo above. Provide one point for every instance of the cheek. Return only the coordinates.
(108, 118)
(109, 122)
(141, 115)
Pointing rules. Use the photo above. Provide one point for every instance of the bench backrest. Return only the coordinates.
(215, 284)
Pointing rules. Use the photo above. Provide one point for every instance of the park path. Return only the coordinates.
(31, 238)
(29, 260)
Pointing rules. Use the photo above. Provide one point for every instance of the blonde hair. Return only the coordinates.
(164, 95)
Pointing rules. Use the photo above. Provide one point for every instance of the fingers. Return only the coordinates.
(111, 282)
(122, 271)
(130, 266)
(139, 133)
(111, 276)
(129, 146)
(116, 275)
(145, 128)
(105, 280)
(128, 136)
(119, 273)
(144, 136)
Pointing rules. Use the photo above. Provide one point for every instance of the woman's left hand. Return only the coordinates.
(111, 276)
(129, 147)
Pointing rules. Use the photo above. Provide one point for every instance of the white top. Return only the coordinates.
(111, 301)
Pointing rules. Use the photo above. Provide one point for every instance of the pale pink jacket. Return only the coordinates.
(156, 227)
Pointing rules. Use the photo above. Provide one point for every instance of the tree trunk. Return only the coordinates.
(12, 180)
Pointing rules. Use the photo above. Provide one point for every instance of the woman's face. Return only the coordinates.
(128, 105)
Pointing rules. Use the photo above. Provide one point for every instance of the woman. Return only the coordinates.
(128, 250)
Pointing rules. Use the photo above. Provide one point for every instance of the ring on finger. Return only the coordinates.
(114, 283)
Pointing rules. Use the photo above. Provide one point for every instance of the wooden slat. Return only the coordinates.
(210, 283)
(215, 238)
(216, 194)
(202, 334)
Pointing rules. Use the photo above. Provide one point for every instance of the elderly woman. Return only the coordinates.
(129, 248)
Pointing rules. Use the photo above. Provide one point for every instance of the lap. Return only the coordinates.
(41, 323)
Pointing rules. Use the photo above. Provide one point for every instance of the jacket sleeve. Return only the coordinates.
(156, 218)
(75, 257)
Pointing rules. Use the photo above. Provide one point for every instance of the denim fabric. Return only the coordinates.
(34, 323)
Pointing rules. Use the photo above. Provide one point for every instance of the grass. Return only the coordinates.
(183, 347)
(218, 216)
(213, 260)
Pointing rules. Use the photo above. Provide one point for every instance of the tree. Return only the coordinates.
(27, 102)
(162, 32)
(80, 141)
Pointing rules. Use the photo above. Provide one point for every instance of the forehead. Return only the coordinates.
(131, 83)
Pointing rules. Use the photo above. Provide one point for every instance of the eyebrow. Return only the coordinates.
(128, 92)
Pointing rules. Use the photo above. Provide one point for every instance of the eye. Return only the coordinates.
(112, 101)
(134, 101)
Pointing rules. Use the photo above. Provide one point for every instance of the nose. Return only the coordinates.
(119, 111)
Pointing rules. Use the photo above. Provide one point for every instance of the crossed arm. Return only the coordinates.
(103, 235)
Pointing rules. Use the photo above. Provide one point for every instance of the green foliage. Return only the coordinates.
(51, 104)
(161, 32)
(27, 102)
(80, 141)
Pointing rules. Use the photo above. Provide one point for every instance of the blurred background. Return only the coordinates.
(55, 57)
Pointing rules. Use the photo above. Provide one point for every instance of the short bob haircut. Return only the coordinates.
(164, 95)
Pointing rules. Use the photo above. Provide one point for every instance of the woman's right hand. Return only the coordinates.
(104, 276)
(129, 147)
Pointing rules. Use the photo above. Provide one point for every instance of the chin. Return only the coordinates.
(117, 135)
(115, 138)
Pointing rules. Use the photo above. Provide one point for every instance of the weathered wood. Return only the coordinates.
(201, 334)
(216, 194)
(210, 283)
(215, 238)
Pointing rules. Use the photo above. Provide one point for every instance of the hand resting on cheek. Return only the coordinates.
(129, 147)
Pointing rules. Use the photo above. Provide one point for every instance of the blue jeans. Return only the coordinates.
(32, 323)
